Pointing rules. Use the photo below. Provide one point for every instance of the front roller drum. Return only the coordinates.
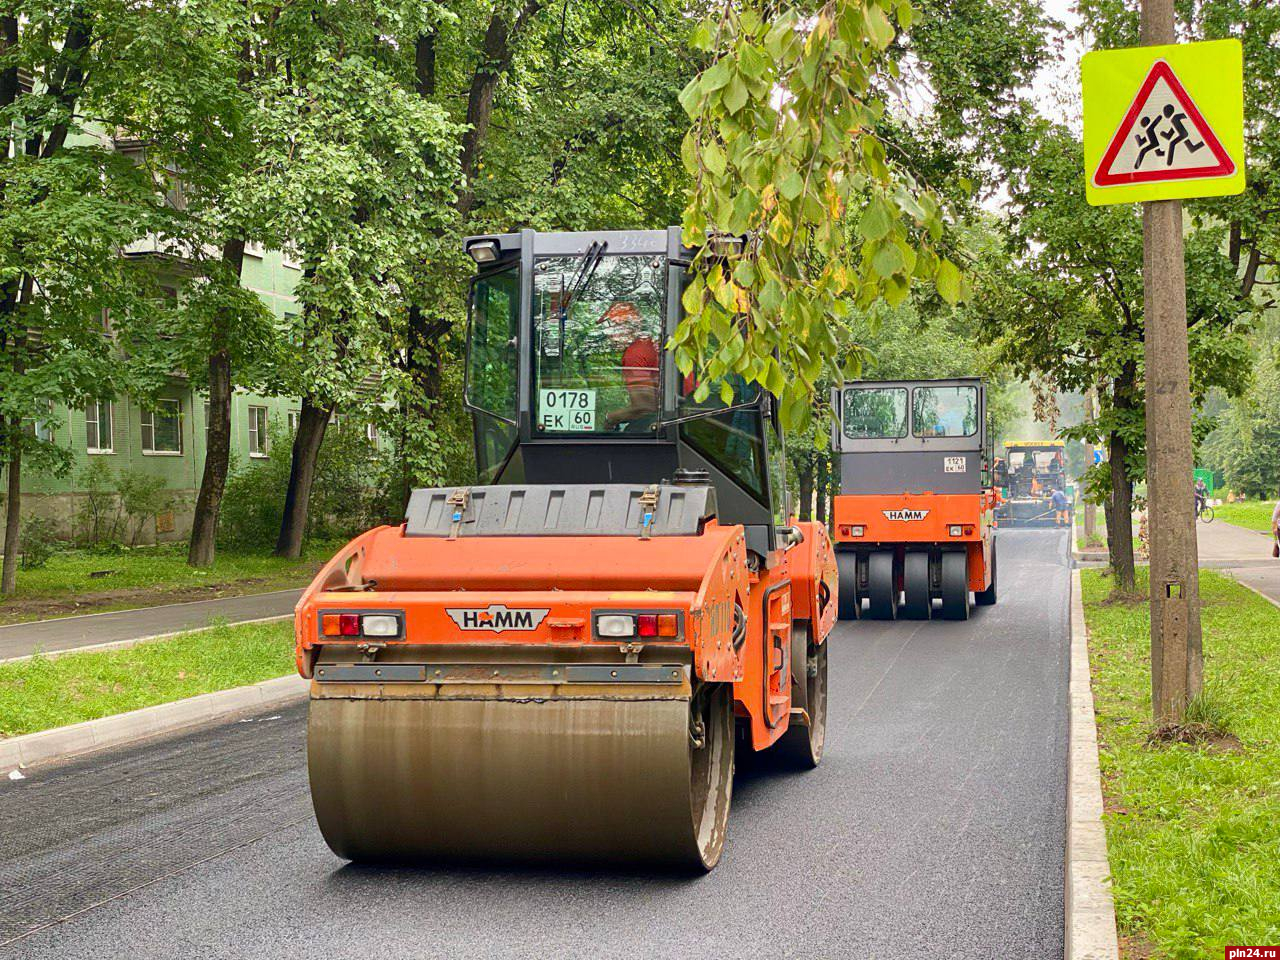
(581, 779)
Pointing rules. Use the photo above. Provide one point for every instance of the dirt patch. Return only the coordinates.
(1118, 598)
(45, 608)
(1212, 738)
(1137, 947)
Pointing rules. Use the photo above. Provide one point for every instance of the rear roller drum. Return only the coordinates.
(955, 586)
(849, 604)
(801, 746)
(408, 777)
(917, 604)
(987, 597)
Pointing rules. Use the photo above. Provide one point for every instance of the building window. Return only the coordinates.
(371, 432)
(41, 427)
(162, 428)
(98, 434)
(292, 417)
(257, 431)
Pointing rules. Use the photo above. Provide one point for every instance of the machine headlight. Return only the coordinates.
(376, 625)
(956, 530)
(616, 625)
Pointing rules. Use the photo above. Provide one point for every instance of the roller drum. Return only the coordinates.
(616, 779)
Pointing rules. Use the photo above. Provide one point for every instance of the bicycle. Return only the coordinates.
(1204, 512)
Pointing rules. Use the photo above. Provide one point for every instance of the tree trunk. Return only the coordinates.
(217, 455)
(1120, 516)
(496, 51)
(13, 510)
(313, 419)
(806, 491)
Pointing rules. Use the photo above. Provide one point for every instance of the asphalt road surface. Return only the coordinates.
(934, 827)
(69, 633)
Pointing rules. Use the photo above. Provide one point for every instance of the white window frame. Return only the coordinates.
(371, 432)
(39, 426)
(148, 423)
(97, 407)
(292, 419)
(258, 431)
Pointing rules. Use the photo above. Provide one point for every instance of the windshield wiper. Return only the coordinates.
(590, 260)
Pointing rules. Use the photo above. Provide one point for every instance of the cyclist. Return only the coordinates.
(1202, 494)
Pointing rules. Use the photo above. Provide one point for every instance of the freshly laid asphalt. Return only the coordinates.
(935, 827)
(69, 633)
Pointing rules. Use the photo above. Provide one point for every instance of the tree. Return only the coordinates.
(357, 172)
(68, 205)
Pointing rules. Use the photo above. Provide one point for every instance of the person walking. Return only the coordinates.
(1275, 530)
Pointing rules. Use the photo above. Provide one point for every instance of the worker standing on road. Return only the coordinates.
(1060, 505)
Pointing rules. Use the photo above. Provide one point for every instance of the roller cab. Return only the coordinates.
(915, 517)
(560, 662)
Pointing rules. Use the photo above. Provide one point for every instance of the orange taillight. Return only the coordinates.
(668, 625)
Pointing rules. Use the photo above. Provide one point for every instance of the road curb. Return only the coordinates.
(134, 641)
(1090, 910)
(62, 743)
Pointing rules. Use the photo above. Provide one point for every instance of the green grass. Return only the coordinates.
(1193, 830)
(1253, 514)
(45, 692)
(147, 572)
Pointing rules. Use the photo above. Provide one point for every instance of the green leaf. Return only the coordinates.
(791, 185)
(949, 282)
(713, 157)
(888, 260)
(877, 219)
(879, 29)
(735, 95)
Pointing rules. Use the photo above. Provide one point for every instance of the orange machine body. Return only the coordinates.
(905, 520)
(547, 591)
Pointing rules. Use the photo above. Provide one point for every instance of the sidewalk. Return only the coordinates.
(70, 633)
(1245, 554)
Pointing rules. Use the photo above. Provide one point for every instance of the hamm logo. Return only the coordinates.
(905, 514)
(498, 617)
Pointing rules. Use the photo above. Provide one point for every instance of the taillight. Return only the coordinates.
(360, 625)
(609, 625)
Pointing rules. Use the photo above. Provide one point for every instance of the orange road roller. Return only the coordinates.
(915, 517)
(559, 662)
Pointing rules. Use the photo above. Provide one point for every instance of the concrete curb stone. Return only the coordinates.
(62, 743)
(1090, 909)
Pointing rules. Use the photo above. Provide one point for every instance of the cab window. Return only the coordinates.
(875, 413)
(491, 339)
(598, 344)
(944, 411)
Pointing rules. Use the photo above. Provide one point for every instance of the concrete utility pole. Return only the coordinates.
(1177, 664)
(1090, 511)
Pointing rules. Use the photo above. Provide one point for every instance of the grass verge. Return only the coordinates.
(1251, 514)
(1192, 827)
(41, 693)
(80, 581)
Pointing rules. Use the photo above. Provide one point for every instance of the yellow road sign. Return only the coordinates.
(1164, 123)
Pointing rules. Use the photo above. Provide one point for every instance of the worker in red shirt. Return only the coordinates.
(640, 363)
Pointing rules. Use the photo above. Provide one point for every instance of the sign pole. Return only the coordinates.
(1090, 511)
(1176, 657)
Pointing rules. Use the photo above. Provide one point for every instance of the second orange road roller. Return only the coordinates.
(559, 662)
(915, 517)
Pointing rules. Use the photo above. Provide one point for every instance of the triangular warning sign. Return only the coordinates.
(1162, 137)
